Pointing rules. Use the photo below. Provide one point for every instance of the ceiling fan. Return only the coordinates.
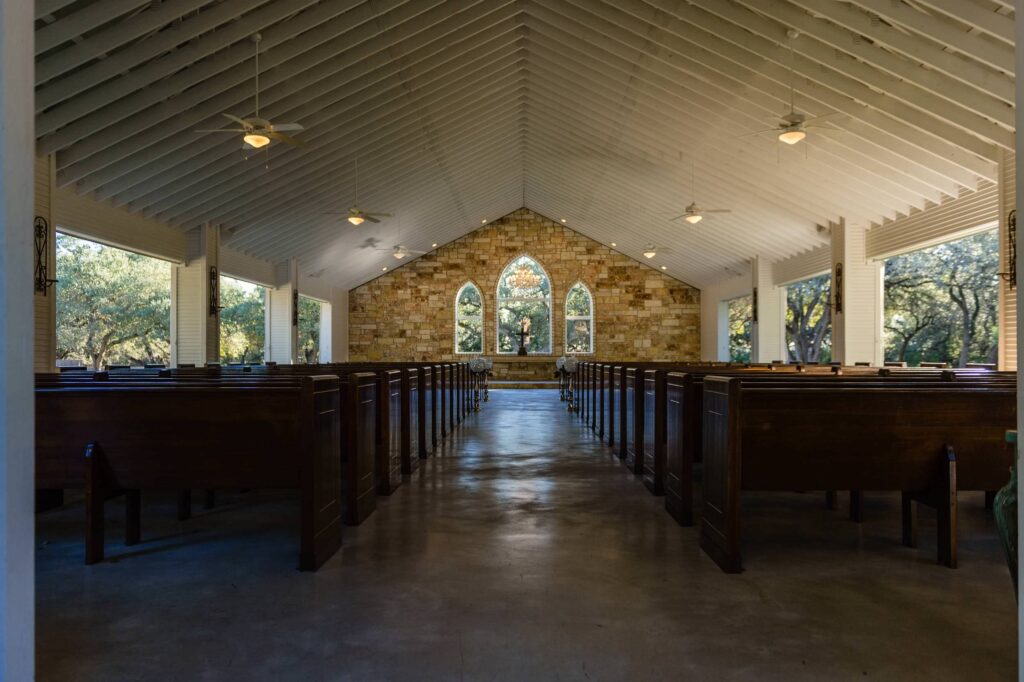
(259, 132)
(693, 213)
(356, 215)
(399, 252)
(650, 251)
(793, 126)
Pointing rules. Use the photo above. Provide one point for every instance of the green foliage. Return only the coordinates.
(809, 320)
(740, 320)
(113, 306)
(578, 332)
(309, 330)
(942, 303)
(516, 303)
(242, 321)
(469, 324)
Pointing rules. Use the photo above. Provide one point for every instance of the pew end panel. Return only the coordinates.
(720, 520)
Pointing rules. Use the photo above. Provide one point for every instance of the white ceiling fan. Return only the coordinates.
(793, 126)
(694, 213)
(650, 251)
(259, 132)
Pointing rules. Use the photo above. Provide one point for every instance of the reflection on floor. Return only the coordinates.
(524, 551)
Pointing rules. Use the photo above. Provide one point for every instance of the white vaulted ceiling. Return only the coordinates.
(461, 111)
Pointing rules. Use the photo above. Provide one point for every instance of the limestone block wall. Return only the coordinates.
(408, 313)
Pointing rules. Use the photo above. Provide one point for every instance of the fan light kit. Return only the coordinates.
(792, 136)
(693, 213)
(650, 252)
(256, 140)
(694, 219)
(356, 215)
(356, 218)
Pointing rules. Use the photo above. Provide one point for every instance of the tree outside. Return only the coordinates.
(309, 330)
(113, 306)
(942, 303)
(809, 320)
(242, 321)
(741, 317)
(524, 293)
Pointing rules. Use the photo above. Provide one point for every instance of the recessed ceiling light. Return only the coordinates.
(614, 244)
(384, 269)
(434, 245)
(563, 220)
(664, 268)
(484, 221)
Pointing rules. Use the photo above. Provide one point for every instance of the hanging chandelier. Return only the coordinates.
(524, 278)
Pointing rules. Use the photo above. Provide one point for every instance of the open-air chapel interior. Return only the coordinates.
(508, 340)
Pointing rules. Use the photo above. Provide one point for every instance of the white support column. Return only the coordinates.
(768, 330)
(326, 328)
(17, 418)
(857, 302)
(1007, 295)
(282, 316)
(195, 299)
(1019, 191)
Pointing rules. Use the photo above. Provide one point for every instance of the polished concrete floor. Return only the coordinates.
(524, 551)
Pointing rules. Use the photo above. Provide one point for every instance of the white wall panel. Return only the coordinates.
(714, 316)
(811, 263)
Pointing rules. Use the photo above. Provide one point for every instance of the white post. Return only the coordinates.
(857, 302)
(768, 329)
(1019, 191)
(195, 299)
(326, 327)
(17, 418)
(282, 315)
(339, 326)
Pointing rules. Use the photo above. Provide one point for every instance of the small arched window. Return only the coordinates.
(524, 305)
(579, 320)
(469, 320)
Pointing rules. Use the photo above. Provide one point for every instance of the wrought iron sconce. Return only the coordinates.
(42, 245)
(214, 291)
(837, 288)
(295, 307)
(1010, 276)
(753, 308)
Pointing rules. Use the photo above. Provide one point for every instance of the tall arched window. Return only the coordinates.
(579, 320)
(524, 302)
(469, 320)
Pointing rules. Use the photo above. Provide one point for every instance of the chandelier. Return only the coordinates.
(524, 278)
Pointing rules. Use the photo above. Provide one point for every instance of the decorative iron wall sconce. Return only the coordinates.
(753, 308)
(837, 288)
(295, 307)
(1010, 276)
(42, 246)
(214, 291)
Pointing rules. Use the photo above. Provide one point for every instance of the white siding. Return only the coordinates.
(811, 263)
(242, 266)
(954, 218)
(857, 330)
(714, 318)
(84, 217)
(45, 305)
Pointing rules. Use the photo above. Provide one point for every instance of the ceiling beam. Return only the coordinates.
(82, 21)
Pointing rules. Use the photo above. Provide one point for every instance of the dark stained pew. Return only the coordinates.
(389, 431)
(925, 441)
(411, 415)
(109, 439)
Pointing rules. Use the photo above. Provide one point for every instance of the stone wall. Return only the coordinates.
(640, 313)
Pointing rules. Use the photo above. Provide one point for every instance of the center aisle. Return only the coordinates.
(525, 551)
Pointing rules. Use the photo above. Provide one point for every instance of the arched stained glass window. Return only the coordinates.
(469, 320)
(524, 303)
(579, 320)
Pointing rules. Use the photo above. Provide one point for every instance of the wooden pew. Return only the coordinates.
(389, 431)
(411, 415)
(925, 441)
(109, 439)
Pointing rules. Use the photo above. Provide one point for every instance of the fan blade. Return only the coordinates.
(379, 215)
(678, 217)
(285, 138)
(235, 119)
(716, 210)
(824, 116)
(247, 146)
(220, 130)
(760, 132)
(369, 217)
(286, 127)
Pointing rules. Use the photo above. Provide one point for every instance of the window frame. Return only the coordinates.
(459, 317)
(572, 318)
(499, 299)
